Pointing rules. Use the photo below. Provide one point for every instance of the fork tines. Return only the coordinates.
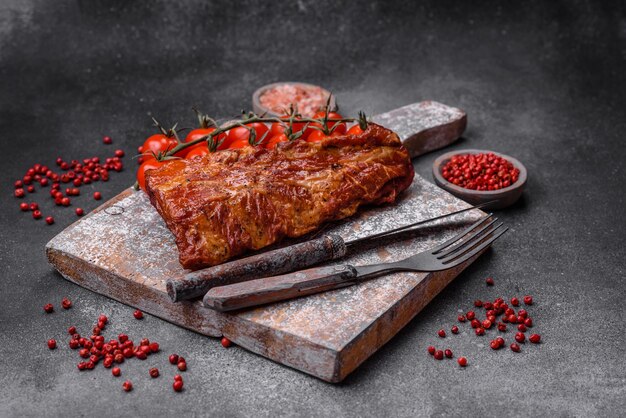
(470, 242)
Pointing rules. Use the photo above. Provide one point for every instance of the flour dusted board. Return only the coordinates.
(123, 250)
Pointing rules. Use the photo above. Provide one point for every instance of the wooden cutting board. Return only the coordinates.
(124, 251)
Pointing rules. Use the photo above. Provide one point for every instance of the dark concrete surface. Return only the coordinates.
(541, 81)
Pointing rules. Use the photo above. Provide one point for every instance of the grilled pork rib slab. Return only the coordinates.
(229, 202)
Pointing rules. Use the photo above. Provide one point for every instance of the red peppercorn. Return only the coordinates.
(489, 281)
(528, 322)
(521, 328)
(515, 347)
(66, 303)
(71, 330)
(37, 214)
(500, 341)
(478, 303)
(475, 323)
(19, 193)
(495, 345)
(178, 385)
(455, 329)
(479, 331)
(119, 153)
(97, 195)
(448, 353)
(80, 212)
(520, 337)
(441, 333)
(122, 338)
(52, 344)
(48, 308)
(178, 377)
(24, 207)
(119, 358)
(173, 358)
(49, 220)
(227, 343)
(107, 140)
(462, 361)
(512, 319)
(431, 350)
(515, 301)
(137, 314)
(182, 366)
(534, 338)
(522, 313)
(488, 305)
(470, 315)
(528, 300)
(501, 327)
(154, 372)
(154, 347)
(486, 324)
(83, 352)
(461, 318)
(439, 355)
(127, 386)
(74, 344)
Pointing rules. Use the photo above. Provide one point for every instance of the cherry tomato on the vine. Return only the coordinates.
(149, 164)
(197, 151)
(318, 135)
(275, 140)
(355, 130)
(158, 143)
(199, 133)
(239, 143)
(331, 115)
(241, 133)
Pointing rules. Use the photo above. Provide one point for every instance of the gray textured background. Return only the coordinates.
(542, 81)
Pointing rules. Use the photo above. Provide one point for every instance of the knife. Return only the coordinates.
(282, 260)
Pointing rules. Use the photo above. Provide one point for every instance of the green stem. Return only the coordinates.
(255, 119)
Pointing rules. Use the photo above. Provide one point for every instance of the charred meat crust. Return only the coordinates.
(226, 203)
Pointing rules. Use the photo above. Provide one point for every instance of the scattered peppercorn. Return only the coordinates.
(226, 342)
(462, 361)
(534, 338)
(489, 281)
(528, 300)
(515, 347)
(66, 303)
(52, 344)
(439, 355)
(431, 350)
(48, 308)
(448, 353)
(455, 329)
(127, 386)
(154, 372)
(178, 385)
(441, 333)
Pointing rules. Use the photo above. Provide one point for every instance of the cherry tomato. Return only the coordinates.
(275, 140)
(318, 135)
(355, 130)
(241, 133)
(239, 143)
(331, 115)
(278, 128)
(199, 133)
(158, 143)
(197, 151)
(149, 164)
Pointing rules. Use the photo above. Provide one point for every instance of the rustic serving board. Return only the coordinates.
(123, 250)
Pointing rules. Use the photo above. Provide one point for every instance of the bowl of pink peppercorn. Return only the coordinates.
(276, 99)
(479, 176)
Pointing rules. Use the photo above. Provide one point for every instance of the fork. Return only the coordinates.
(451, 253)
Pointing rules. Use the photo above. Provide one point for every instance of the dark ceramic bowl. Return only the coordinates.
(260, 109)
(503, 197)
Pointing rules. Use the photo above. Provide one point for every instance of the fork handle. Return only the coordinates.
(277, 288)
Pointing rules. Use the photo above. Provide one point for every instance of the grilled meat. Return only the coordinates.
(229, 202)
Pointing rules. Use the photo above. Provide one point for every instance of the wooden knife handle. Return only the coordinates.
(269, 263)
(277, 288)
